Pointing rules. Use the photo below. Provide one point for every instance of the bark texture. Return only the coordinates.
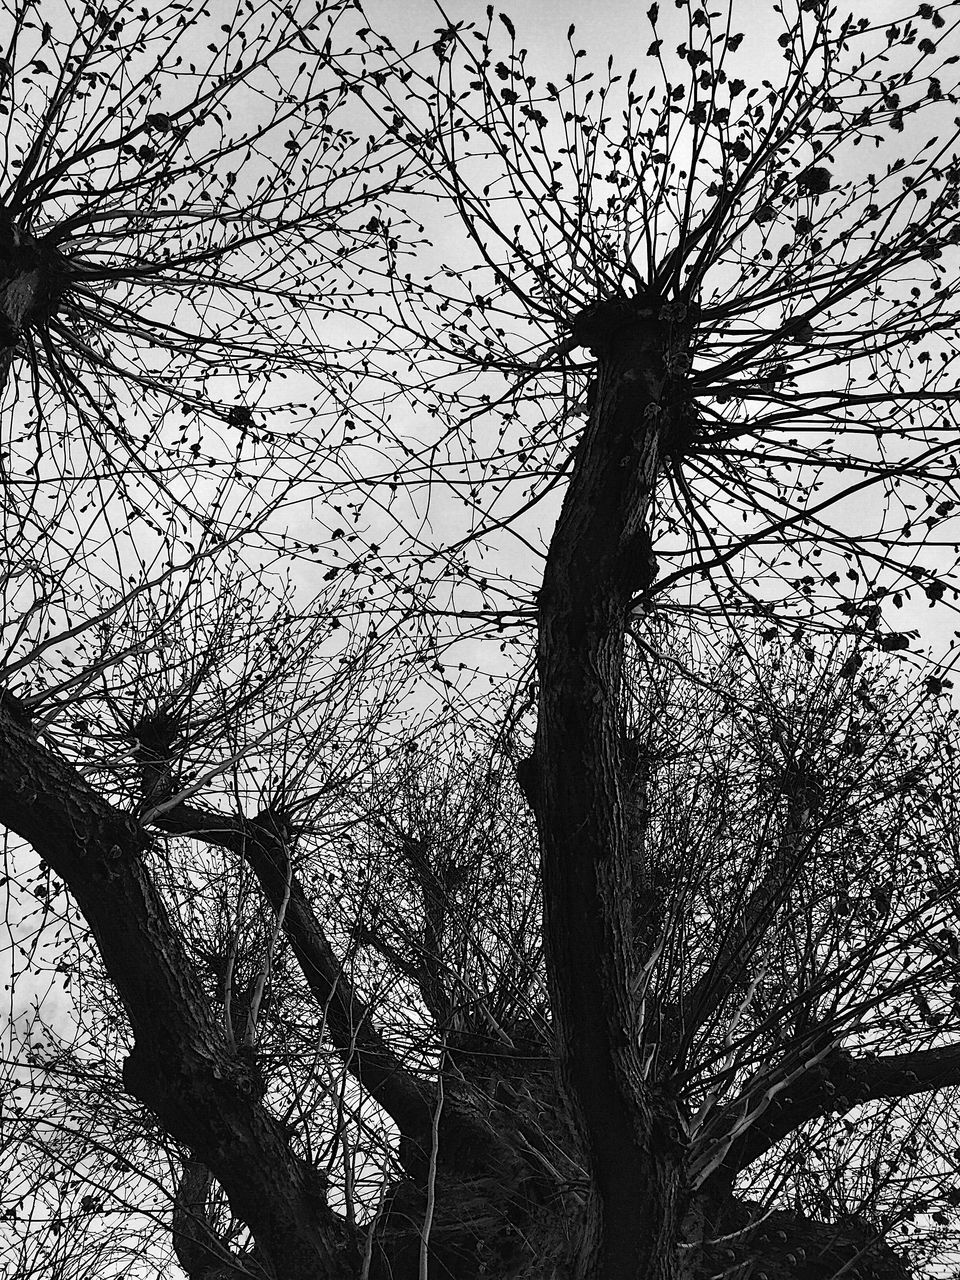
(600, 557)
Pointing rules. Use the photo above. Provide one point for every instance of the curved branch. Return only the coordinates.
(261, 844)
(200, 1251)
(748, 926)
(180, 1067)
(835, 1086)
(469, 1144)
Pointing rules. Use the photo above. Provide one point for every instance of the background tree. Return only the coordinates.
(323, 945)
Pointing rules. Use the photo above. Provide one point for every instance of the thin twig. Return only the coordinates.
(431, 1177)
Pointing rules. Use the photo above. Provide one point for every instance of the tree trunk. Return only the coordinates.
(599, 558)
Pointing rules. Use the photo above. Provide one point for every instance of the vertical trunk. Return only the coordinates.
(599, 558)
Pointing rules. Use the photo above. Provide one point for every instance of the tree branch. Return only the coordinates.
(835, 1086)
(199, 1250)
(261, 844)
(179, 1067)
(469, 1143)
(748, 927)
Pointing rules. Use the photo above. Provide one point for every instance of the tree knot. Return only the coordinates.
(597, 326)
(34, 277)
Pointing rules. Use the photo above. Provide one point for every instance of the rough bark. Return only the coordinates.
(599, 559)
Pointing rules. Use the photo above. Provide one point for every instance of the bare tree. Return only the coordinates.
(354, 1046)
(769, 322)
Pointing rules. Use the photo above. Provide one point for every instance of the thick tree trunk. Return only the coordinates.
(599, 558)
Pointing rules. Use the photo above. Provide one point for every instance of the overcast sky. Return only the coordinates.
(604, 27)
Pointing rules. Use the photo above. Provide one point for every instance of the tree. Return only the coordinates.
(726, 263)
(794, 818)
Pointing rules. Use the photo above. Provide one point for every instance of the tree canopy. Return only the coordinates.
(463, 816)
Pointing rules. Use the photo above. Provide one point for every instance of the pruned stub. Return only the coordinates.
(647, 340)
(34, 277)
